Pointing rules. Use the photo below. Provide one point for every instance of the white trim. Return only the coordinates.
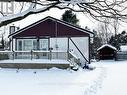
(38, 22)
(29, 26)
(36, 61)
(31, 37)
(6, 51)
(23, 43)
(71, 26)
(40, 51)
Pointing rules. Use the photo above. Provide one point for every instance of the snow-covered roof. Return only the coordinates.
(106, 45)
(123, 48)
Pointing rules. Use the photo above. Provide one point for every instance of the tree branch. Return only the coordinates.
(97, 9)
(12, 18)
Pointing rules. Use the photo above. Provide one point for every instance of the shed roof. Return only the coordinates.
(107, 45)
(51, 27)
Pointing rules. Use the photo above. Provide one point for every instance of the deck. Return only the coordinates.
(34, 64)
(34, 59)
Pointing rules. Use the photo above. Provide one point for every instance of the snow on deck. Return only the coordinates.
(35, 61)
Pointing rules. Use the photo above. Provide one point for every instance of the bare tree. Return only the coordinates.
(104, 30)
(97, 9)
(115, 26)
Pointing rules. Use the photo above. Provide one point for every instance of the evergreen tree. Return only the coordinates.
(118, 39)
(114, 41)
(97, 42)
(70, 17)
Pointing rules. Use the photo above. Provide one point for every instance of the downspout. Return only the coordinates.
(68, 47)
(12, 44)
(89, 48)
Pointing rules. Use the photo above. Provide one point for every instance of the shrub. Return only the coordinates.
(3, 56)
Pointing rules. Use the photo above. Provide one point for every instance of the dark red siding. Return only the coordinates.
(51, 28)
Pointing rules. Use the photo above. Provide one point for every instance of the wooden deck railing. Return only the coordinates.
(36, 54)
(73, 59)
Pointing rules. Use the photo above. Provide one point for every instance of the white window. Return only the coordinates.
(19, 45)
(35, 44)
(43, 44)
(26, 44)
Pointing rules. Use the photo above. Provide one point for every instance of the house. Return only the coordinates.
(106, 52)
(50, 39)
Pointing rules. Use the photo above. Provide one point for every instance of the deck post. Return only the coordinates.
(68, 49)
(38, 46)
(89, 49)
(50, 55)
(48, 48)
(31, 54)
(13, 55)
(12, 44)
(12, 49)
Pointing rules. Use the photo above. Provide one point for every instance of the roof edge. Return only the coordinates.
(49, 17)
(107, 45)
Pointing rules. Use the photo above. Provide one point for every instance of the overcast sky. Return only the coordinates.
(56, 13)
(84, 20)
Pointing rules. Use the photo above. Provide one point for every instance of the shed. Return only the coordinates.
(106, 52)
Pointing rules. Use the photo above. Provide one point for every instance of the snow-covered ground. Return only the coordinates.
(115, 82)
(109, 78)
